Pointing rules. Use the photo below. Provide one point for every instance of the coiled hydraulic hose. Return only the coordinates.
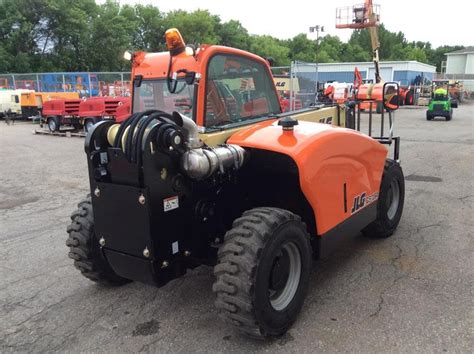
(137, 125)
(134, 117)
(135, 152)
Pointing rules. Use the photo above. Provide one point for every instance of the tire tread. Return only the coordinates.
(239, 257)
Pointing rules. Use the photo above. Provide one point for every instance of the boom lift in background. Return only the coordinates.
(367, 15)
(362, 16)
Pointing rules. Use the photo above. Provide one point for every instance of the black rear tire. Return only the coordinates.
(263, 272)
(390, 202)
(449, 116)
(85, 250)
(53, 124)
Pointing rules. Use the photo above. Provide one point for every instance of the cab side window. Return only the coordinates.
(238, 89)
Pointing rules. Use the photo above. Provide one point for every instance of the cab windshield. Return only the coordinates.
(154, 94)
(238, 91)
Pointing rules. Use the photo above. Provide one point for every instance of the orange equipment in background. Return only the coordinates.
(362, 16)
(32, 102)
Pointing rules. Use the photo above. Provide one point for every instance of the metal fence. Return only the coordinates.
(304, 84)
(297, 83)
(87, 84)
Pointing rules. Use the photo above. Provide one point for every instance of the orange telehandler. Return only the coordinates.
(208, 170)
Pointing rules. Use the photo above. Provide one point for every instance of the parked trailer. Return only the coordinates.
(95, 109)
(82, 113)
(60, 112)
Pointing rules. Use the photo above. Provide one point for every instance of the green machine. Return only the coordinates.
(441, 103)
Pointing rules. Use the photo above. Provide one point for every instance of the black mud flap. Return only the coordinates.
(122, 218)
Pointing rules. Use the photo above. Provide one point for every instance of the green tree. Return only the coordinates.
(332, 46)
(302, 48)
(112, 34)
(198, 27)
(150, 29)
(417, 54)
(267, 46)
(233, 34)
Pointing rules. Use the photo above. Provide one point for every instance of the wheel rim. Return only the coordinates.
(52, 125)
(284, 276)
(393, 199)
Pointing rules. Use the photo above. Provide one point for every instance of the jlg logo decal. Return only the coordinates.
(361, 201)
(327, 120)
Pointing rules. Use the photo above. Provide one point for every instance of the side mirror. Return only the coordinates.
(391, 94)
(454, 103)
(192, 77)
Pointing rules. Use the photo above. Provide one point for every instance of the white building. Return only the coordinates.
(404, 72)
(460, 66)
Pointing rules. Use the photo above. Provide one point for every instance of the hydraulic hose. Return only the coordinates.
(131, 130)
(135, 152)
(132, 119)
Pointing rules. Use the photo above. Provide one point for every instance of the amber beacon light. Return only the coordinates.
(174, 41)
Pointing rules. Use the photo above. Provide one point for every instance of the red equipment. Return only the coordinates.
(95, 109)
(123, 111)
(61, 107)
(4, 83)
(25, 84)
(83, 113)
(58, 112)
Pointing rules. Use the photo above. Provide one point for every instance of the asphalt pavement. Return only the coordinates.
(412, 292)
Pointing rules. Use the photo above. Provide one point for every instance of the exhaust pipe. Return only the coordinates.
(202, 162)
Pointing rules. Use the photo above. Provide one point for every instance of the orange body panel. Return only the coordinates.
(365, 105)
(327, 158)
(155, 65)
(370, 92)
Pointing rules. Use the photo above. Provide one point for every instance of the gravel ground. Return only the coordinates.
(412, 292)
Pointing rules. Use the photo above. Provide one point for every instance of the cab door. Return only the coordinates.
(15, 104)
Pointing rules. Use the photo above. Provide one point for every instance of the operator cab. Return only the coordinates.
(233, 87)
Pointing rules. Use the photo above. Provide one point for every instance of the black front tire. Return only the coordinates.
(263, 272)
(85, 250)
(53, 124)
(390, 202)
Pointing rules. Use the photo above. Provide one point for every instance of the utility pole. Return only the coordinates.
(316, 29)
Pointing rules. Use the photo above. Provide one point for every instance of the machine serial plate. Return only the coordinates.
(170, 203)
